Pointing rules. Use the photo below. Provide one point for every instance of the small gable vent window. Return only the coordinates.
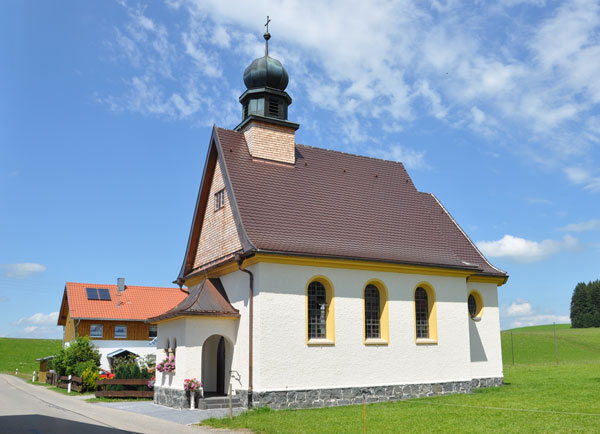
(219, 199)
(273, 108)
(96, 331)
(97, 294)
(153, 331)
(120, 331)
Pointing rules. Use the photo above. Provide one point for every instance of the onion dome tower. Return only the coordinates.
(265, 98)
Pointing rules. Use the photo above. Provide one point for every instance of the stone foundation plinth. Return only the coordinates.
(333, 397)
(354, 395)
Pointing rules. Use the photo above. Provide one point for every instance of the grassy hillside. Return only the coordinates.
(537, 396)
(536, 345)
(21, 353)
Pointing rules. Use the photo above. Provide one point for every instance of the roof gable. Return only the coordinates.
(215, 174)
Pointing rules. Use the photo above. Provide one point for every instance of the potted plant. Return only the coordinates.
(192, 385)
(167, 365)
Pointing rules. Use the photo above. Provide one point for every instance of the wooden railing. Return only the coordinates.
(101, 386)
(76, 383)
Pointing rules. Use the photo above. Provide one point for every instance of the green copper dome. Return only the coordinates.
(266, 72)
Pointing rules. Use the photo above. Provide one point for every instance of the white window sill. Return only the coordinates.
(476, 318)
(373, 341)
(423, 341)
(320, 342)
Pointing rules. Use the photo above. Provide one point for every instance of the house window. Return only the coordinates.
(219, 199)
(120, 331)
(372, 313)
(422, 313)
(475, 305)
(320, 314)
(425, 315)
(152, 331)
(96, 331)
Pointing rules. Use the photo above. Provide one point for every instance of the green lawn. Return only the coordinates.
(21, 353)
(537, 397)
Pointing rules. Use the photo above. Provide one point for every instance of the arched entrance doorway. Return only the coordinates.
(216, 365)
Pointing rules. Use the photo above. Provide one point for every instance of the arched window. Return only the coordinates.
(422, 313)
(317, 311)
(425, 314)
(372, 312)
(320, 326)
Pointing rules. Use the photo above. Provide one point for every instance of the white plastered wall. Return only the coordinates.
(191, 333)
(283, 360)
(486, 349)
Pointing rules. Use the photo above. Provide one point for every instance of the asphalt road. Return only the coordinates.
(25, 408)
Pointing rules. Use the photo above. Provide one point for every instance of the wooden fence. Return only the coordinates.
(102, 392)
(76, 383)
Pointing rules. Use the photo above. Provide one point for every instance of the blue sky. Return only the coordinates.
(106, 110)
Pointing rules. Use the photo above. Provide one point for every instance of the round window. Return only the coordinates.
(475, 305)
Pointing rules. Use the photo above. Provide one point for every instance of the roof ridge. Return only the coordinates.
(329, 150)
(114, 285)
(350, 154)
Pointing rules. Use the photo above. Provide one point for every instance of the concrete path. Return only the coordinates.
(25, 408)
(184, 417)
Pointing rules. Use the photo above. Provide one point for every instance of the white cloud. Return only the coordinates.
(525, 251)
(581, 226)
(577, 175)
(38, 319)
(410, 158)
(521, 313)
(519, 308)
(469, 66)
(21, 270)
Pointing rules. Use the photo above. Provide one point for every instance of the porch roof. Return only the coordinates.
(207, 299)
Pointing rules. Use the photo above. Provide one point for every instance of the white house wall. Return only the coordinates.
(283, 360)
(105, 346)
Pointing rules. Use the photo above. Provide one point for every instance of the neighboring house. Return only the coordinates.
(317, 276)
(114, 320)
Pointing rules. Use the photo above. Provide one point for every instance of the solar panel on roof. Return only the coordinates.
(92, 293)
(104, 294)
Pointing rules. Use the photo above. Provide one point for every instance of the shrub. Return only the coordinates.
(76, 358)
(89, 378)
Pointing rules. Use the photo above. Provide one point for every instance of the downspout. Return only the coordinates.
(240, 259)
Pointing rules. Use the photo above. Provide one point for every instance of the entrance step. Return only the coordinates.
(218, 402)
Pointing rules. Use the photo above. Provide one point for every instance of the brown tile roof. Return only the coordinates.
(136, 303)
(334, 204)
(207, 299)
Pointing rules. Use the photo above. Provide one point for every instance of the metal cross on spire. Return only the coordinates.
(267, 36)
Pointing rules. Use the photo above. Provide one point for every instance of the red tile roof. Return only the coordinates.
(135, 303)
(332, 204)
